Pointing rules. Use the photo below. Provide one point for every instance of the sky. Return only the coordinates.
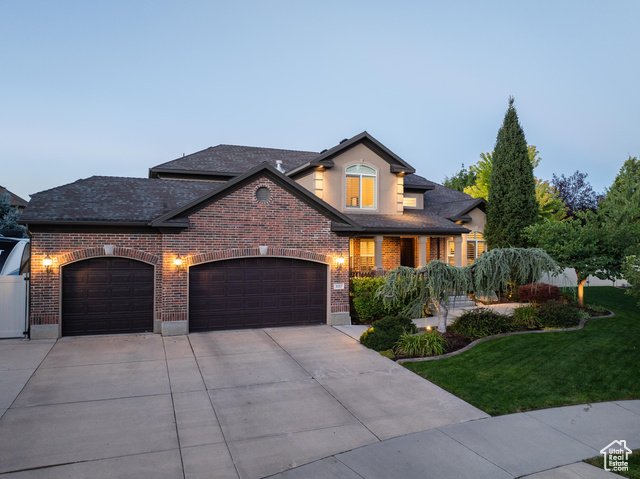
(115, 87)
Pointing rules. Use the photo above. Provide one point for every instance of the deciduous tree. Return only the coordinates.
(576, 193)
(463, 178)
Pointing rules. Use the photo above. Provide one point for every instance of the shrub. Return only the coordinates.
(366, 305)
(556, 314)
(538, 293)
(526, 317)
(385, 332)
(482, 322)
(429, 343)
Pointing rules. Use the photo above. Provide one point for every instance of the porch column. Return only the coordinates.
(457, 254)
(378, 253)
(422, 251)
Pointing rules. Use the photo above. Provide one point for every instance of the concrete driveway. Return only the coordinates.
(231, 404)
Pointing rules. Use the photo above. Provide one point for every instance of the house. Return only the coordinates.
(237, 237)
(14, 200)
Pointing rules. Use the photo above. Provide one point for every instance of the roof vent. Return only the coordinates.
(279, 166)
(346, 139)
(323, 151)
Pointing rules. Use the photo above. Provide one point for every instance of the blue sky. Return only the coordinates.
(115, 87)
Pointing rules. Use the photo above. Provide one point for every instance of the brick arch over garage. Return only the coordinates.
(96, 252)
(255, 252)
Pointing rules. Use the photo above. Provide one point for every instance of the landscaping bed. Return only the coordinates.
(522, 372)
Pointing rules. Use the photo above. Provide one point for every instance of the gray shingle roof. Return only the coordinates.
(114, 199)
(417, 180)
(412, 221)
(447, 202)
(236, 159)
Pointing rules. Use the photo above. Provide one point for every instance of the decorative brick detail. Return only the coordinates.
(40, 319)
(87, 253)
(340, 308)
(250, 252)
(174, 316)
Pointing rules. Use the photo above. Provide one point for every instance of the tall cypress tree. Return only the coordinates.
(512, 204)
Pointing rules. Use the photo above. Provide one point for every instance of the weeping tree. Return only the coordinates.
(436, 283)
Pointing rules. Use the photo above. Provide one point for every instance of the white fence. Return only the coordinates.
(569, 279)
(13, 306)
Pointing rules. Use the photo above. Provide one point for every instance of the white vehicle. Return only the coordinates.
(14, 256)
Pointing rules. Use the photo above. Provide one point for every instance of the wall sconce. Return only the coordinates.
(340, 262)
(178, 262)
(47, 262)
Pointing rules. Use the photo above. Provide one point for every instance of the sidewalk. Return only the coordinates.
(544, 444)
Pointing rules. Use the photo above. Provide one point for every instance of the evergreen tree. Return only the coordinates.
(512, 204)
(9, 214)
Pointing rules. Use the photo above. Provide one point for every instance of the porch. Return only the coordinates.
(371, 256)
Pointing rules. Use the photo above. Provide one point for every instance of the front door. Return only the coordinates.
(407, 252)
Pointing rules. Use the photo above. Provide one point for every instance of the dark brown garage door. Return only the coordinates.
(106, 296)
(257, 293)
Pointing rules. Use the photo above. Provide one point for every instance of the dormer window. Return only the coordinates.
(361, 187)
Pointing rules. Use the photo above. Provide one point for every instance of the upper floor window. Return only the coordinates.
(361, 187)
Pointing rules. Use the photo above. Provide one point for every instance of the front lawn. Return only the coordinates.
(535, 371)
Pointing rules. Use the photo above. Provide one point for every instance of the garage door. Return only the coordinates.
(257, 293)
(107, 296)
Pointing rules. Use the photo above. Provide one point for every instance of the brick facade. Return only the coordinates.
(236, 225)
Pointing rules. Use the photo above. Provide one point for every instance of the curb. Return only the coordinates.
(503, 335)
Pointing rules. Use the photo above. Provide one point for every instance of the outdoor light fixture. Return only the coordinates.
(178, 263)
(47, 262)
(340, 261)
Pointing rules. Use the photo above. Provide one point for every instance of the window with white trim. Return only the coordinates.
(475, 246)
(361, 187)
(367, 254)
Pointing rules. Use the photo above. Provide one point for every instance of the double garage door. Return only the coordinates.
(116, 295)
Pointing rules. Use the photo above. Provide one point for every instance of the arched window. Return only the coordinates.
(361, 187)
(475, 246)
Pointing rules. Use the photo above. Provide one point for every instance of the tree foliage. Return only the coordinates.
(9, 214)
(631, 270)
(461, 180)
(580, 243)
(550, 205)
(512, 204)
(437, 282)
(576, 193)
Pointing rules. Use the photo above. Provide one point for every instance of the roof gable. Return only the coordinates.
(326, 157)
(179, 216)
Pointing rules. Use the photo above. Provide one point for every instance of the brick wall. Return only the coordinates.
(390, 253)
(234, 226)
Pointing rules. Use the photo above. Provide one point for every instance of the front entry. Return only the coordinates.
(407, 252)
(257, 293)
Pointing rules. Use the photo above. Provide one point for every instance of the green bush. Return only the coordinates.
(385, 332)
(429, 343)
(556, 314)
(526, 317)
(482, 322)
(367, 306)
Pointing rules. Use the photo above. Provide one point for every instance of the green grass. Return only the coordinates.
(634, 464)
(535, 371)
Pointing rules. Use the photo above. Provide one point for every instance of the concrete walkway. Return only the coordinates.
(545, 444)
(232, 404)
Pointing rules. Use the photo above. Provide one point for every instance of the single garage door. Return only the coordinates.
(107, 296)
(257, 293)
